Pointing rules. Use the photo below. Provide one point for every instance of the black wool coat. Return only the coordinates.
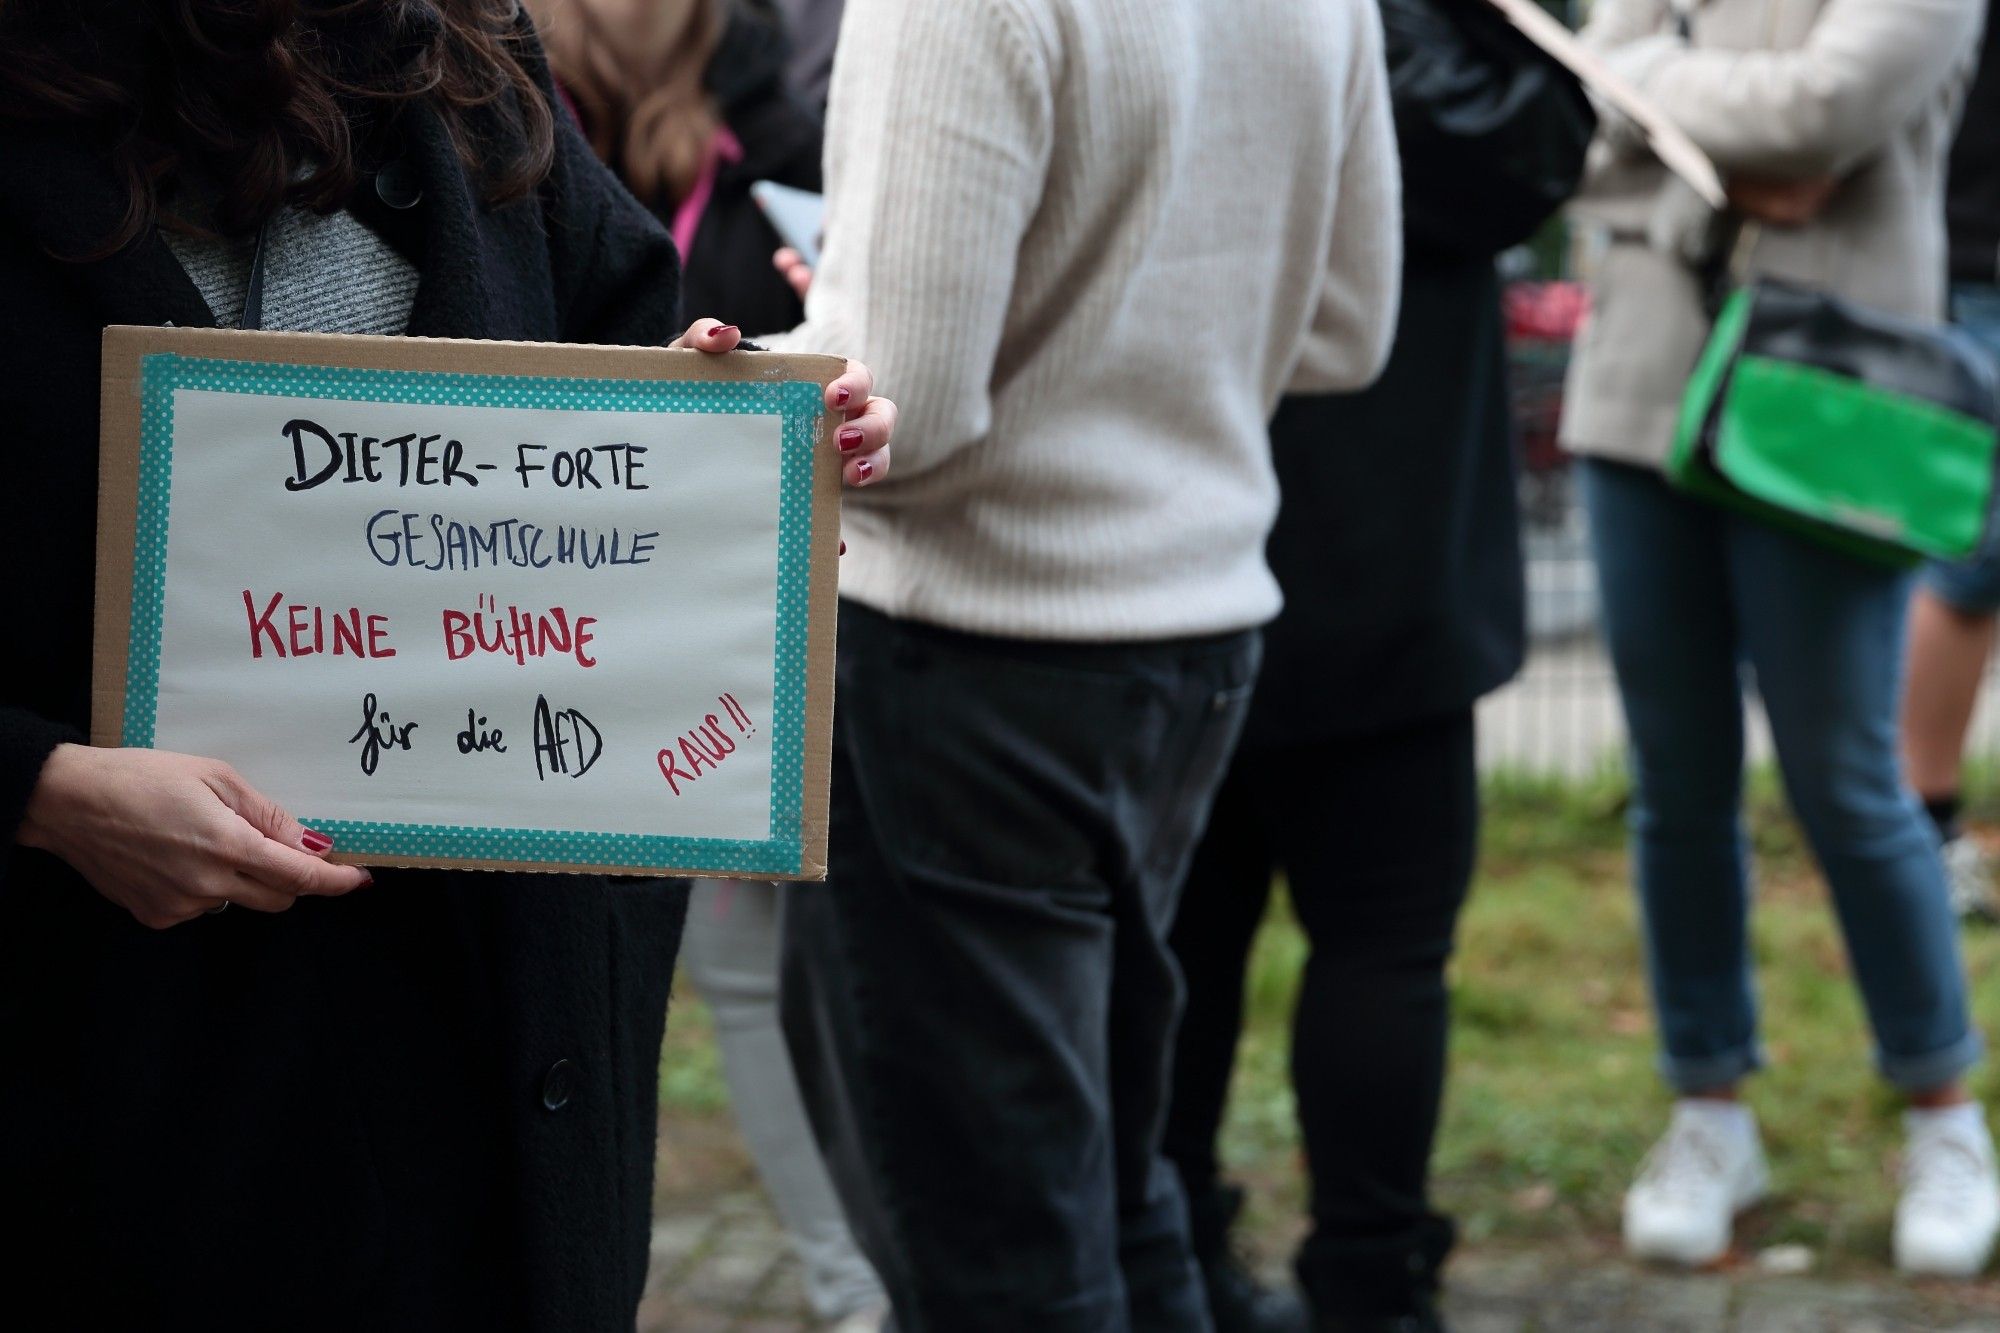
(429, 1105)
(729, 262)
(1972, 192)
(1398, 539)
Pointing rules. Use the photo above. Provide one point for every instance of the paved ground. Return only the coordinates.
(723, 1268)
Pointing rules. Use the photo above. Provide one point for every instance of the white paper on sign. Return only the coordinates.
(281, 617)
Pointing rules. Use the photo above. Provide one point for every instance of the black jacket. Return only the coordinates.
(349, 1116)
(1972, 194)
(1398, 539)
(729, 264)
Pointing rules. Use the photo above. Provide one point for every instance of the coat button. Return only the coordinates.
(558, 1085)
(398, 185)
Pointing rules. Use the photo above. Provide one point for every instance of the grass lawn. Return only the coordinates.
(1553, 1096)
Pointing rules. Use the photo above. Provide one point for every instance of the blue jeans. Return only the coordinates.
(1692, 594)
(1973, 586)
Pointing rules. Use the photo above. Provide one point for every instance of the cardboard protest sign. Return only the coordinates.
(497, 605)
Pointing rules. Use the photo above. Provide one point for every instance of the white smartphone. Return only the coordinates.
(798, 216)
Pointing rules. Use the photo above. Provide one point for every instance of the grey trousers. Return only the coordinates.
(731, 952)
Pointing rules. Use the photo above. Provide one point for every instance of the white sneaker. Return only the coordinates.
(1968, 874)
(1949, 1214)
(1708, 1168)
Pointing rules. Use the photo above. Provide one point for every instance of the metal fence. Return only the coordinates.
(1560, 716)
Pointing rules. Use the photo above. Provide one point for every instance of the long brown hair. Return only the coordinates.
(271, 101)
(634, 68)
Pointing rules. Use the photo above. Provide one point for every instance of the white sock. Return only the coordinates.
(1965, 1120)
(1733, 1119)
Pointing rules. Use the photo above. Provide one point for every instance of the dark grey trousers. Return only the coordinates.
(980, 1003)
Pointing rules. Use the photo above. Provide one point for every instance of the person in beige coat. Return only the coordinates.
(1830, 121)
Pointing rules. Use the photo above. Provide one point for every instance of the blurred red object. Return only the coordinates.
(1542, 321)
(1545, 311)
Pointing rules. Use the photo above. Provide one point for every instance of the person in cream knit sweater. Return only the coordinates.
(1086, 245)
(1093, 242)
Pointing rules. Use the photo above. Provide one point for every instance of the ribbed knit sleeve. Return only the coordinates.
(1355, 322)
(938, 140)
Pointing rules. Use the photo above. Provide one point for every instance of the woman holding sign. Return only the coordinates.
(428, 1104)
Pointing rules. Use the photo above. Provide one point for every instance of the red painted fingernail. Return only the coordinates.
(863, 470)
(315, 841)
(721, 329)
(850, 439)
(843, 548)
(841, 395)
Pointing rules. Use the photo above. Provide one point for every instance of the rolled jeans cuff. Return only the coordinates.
(1699, 1074)
(1932, 1069)
(1970, 587)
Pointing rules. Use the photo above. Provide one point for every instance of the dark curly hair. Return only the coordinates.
(272, 102)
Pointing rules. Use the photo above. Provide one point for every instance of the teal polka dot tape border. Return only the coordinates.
(797, 403)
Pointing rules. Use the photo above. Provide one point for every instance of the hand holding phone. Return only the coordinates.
(798, 216)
